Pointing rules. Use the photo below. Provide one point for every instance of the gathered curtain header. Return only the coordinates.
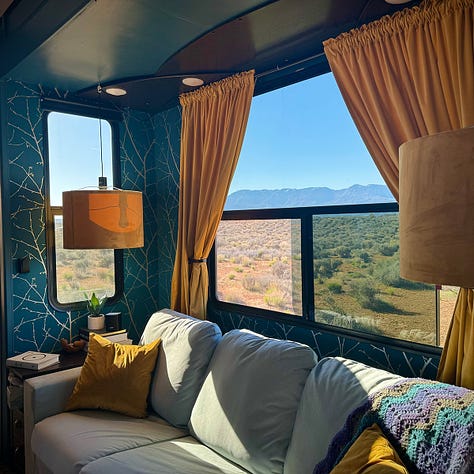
(235, 83)
(426, 12)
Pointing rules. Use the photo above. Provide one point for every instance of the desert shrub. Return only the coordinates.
(365, 257)
(365, 293)
(344, 252)
(326, 267)
(255, 284)
(103, 275)
(319, 252)
(231, 297)
(82, 265)
(388, 250)
(418, 335)
(388, 273)
(274, 298)
(365, 324)
(281, 270)
(106, 261)
(334, 287)
(109, 277)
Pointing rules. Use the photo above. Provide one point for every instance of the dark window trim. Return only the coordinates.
(49, 106)
(307, 320)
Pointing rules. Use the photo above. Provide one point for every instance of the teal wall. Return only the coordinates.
(167, 129)
(150, 163)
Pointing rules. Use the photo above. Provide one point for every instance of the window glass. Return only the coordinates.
(357, 281)
(74, 159)
(259, 264)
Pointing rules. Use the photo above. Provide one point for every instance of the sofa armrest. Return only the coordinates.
(45, 396)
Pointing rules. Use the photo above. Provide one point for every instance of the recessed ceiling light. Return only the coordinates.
(193, 81)
(116, 91)
(397, 2)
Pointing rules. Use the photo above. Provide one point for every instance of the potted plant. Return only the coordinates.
(95, 319)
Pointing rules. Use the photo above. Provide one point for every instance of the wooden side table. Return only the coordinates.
(16, 378)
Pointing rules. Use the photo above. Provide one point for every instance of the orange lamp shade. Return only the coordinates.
(102, 219)
(437, 208)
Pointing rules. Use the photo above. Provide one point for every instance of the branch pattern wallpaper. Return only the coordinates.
(36, 324)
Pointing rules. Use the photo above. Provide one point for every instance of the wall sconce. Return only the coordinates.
(436, 174)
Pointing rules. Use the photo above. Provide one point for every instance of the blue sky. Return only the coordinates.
(74, 153)
(303, 136)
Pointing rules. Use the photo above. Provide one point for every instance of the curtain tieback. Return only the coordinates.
(197, 260)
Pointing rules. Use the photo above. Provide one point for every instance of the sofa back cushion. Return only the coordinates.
(247, 405)
(187, 345)
(335, 387)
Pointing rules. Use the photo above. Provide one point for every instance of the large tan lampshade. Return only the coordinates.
(102, 219)
(436, 205)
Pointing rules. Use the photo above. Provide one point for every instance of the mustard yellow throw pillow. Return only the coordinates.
(371, 453)
(115, 377)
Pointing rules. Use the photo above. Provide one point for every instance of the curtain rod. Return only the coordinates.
(206, 73)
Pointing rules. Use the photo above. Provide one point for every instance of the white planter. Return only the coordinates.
(95, 323)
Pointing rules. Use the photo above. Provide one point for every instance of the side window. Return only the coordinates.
(310, 230)
(74, 162)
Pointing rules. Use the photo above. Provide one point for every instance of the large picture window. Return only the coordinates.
(74, 162)
(310, 230)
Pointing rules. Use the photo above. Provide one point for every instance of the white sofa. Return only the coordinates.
(218, 404)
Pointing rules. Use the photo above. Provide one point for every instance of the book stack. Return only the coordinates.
(119, 336)
(33, 360)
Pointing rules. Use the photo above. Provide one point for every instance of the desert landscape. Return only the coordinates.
(356, 274)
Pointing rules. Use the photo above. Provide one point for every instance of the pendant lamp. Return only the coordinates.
(102, 218)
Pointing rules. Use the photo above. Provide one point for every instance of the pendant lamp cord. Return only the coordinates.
(102, 179)
(100, 142)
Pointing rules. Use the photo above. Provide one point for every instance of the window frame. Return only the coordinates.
(113, 117)
(307, 319)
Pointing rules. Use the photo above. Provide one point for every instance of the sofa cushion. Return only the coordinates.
(66, 442)
(115, 377)
(187, 345)
(184, 455)
(335, 387)
(247, 405)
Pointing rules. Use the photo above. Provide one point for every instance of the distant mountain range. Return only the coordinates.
(275, 198)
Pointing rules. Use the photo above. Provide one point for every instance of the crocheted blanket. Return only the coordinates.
(430, 424)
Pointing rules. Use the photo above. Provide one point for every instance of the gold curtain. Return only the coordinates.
(457, 360)
(407, 76)
(213, 128)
